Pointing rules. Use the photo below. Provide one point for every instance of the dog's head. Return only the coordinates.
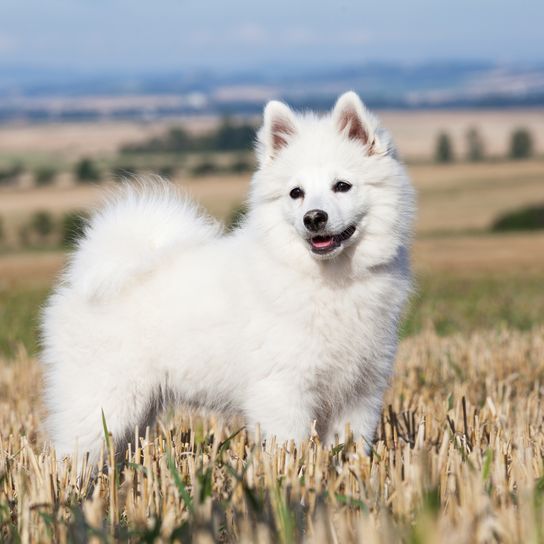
(331, 185)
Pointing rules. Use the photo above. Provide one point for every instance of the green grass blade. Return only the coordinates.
(184, 493)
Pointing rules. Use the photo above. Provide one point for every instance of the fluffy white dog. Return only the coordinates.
(289, 319)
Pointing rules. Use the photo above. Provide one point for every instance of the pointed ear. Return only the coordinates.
(354, 121)
(278, 128)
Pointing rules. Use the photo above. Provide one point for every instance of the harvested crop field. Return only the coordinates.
(415, 131)
(453, 198)
(458, 458)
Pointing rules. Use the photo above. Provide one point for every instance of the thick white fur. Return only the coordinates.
(158, 305)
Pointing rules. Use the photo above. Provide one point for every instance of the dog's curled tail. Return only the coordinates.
(140, 226)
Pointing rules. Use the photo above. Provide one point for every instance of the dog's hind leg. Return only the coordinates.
(78, 420)
(144, 419)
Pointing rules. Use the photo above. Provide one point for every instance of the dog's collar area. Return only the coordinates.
(324, 244)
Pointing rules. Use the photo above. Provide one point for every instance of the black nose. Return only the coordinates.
(315, 220)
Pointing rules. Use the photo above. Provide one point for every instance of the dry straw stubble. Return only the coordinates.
(459, 458)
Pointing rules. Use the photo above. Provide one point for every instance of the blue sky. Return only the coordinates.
(144, 35)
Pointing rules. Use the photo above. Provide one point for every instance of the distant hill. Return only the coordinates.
(27, 93)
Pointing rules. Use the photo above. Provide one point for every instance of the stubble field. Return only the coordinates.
(458, 456)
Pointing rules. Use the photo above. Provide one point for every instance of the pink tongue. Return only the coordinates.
(321, 244)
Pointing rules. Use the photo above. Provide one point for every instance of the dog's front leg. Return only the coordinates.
(362, 416)
(280, 409)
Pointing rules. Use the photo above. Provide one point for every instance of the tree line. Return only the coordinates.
(44, 229)
(521, 146)
(229, 136)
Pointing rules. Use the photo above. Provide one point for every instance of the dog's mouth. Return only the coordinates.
(324, 244)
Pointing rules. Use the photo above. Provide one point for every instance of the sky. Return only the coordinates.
(161, 35)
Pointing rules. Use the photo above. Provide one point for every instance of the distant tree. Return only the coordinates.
(475, 145)
(8, 176)
(204, 167)
(179, 140)
(24, 235)
(528, 218)
(73, 228)
(42, 224)
(167, 171)
(44, 176)
(86, 170)
(444, 149)
(240, 165)
(521, 144)
(233, 137)
(17, 169)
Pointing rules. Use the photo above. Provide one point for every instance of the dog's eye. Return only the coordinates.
(341, 187)
(297, 192)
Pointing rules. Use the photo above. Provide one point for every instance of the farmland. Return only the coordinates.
(458, 459)
(414, 132)
(458, 452)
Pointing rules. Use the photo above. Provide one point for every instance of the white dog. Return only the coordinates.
(290, 319)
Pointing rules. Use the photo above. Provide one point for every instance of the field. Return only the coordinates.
(414, 131)
(458, 456)
(458, 459)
